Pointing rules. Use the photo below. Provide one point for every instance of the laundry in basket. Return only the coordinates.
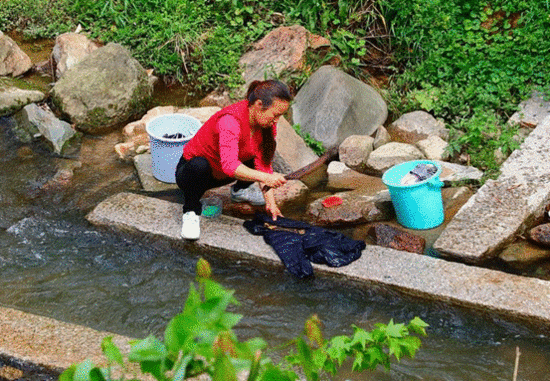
(419, 173)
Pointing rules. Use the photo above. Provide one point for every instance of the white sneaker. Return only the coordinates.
(252, 194)
(190, 226)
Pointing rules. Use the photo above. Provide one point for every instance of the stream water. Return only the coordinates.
(54, 263)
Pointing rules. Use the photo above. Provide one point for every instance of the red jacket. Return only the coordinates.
(225, 140)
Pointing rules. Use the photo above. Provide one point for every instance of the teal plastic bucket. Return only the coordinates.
(166, 152)
(419, 205)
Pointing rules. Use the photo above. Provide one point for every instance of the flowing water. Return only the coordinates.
(54, 263)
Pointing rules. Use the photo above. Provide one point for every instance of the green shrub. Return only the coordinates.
(470, 63)
(201, 340)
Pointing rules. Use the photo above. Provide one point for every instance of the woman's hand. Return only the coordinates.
(273, 210)
(271, 206)
(274, 180)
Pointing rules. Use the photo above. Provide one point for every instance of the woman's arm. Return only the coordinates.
(273, 180)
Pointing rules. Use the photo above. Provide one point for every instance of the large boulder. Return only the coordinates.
(292, 152)
(333, 105)
(282, 49)
(13, 61)
(70, 49)
(104, 90)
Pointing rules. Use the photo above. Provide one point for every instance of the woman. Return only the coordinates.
(238, 142)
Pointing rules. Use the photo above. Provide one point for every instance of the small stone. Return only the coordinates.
(10, 373)
(541, 235)
(25, 152)
(389, 236)
(523, 252)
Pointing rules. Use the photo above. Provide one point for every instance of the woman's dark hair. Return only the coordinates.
(267, 92)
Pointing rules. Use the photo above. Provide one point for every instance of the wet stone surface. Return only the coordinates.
(12, 369)
(388, 236)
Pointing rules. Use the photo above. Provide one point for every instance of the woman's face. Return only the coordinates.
(266, 117)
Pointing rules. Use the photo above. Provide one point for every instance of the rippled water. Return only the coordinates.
(54, 263)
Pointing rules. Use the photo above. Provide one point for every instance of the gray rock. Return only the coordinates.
(13, 61)
(104, 90)
(355, 150)
(13, 99)
(415, 126)
(388, 155)
(433, 147)
(292, 152)
(502, 209)
(40, 120)
(333, 105)
(63, 176)
(532, 111)
(70, 49)
(216, 98)
(381, 137)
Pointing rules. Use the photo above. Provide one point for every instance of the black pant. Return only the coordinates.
(194, 177)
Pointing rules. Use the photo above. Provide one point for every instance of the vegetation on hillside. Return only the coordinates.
(466, 62)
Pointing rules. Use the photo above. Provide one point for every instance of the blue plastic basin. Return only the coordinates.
(419, 205)
(166, 153)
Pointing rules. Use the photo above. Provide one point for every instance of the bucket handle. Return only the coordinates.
(436, 183)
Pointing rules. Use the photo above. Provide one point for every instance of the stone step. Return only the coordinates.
(503, 208)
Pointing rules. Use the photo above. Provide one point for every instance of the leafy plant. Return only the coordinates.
(469, 63)
(480, 136)
(200, 340)
(312, 143)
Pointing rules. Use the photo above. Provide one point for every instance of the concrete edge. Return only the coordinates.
(513, 297)
(51, 343)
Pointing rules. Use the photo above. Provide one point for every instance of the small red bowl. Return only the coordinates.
(331, 201)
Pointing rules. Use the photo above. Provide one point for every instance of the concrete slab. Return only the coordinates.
(526, 300)
(502, 209)
(51, 343)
